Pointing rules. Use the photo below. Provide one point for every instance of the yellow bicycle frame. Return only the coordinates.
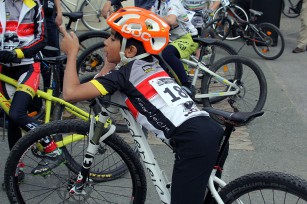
(49, 98)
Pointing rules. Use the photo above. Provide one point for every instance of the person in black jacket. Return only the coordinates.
(107, 8)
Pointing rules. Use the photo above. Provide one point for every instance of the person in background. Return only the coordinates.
(195, 136)
(302, 37)
(22, 36)
(53, 17)
(181, 33)
(204, 7)
(107, 8)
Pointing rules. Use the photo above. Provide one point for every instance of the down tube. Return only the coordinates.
(157, 178)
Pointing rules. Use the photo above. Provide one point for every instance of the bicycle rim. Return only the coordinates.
(246, 75)
(91, 15)
(268, 43)
(266, 187)
(208, 55)
(54, 186)
(90, 38)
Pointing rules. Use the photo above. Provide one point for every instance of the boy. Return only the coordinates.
(182, 45)
(22, 36)
(137, 34)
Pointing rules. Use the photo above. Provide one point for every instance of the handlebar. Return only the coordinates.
(16, 60)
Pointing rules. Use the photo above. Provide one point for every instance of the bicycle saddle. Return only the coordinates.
(256, 13)
(73, 16)
(61, 59)
(234, 117)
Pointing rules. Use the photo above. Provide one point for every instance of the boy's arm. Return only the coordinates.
(215, 5)
(40, 35)
(59, 16)
(107, 7)
(72, 89)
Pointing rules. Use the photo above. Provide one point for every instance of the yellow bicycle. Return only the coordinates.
(53, 110)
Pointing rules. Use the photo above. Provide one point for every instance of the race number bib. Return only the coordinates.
(190, 15)
(171, 92)
(197, 21)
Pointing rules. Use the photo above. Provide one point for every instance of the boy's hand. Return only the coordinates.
(7, 56)
(70, 42)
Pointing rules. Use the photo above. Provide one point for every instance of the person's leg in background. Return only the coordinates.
(302, 38)
(53, 40)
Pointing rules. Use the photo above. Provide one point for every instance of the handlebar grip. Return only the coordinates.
(16, 60)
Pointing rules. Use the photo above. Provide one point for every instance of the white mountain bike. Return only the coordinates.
(88, 175)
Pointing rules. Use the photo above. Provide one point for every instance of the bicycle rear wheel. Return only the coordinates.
(292, 8)
(247, 75)
(265, 187)
(91, 15)
(221, 27)
(90, 38)
(129, 187)
(91, 61)
(269, 42)
(208, 55)
(233, 35)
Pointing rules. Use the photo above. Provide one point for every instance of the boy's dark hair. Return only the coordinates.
(131, 41)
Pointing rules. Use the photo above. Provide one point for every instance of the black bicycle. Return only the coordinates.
(266, 39)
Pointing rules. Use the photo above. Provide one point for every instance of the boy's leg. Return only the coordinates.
(196, 145)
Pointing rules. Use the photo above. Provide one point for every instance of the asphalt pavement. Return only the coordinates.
(276, 141)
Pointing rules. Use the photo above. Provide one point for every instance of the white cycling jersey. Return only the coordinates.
(176, 8)
(194, 5)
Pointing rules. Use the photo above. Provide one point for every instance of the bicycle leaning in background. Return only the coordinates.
(266, 39)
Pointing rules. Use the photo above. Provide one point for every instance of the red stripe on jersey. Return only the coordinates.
(11, 26)
(132, 108)
(24, 29)
(146, 89)
(33, 80)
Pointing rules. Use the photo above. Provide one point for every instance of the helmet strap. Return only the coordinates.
(124, 59)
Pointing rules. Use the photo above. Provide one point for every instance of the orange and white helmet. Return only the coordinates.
(142, 25)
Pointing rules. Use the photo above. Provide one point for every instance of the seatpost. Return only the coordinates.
(226, 135)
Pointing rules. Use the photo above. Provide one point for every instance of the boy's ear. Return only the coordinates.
(131, 51)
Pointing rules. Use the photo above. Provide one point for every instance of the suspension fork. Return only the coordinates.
(98, 132)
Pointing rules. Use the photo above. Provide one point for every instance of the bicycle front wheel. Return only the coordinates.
(268, 42)
(54, 186)
(248, 77)
(265, 187)
(292, 8)
(92, 19)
